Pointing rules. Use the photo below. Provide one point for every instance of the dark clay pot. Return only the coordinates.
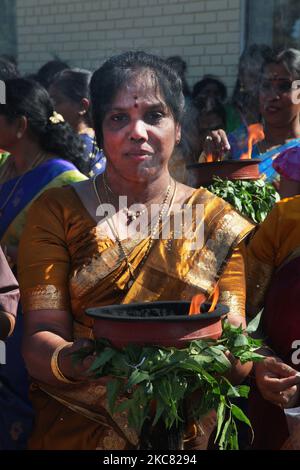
(157, 323)
(161, 323)
(201, 174)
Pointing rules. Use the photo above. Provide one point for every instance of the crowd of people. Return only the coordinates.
(73, 141)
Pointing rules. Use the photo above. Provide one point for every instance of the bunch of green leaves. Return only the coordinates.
(169, 377)
(253, 198)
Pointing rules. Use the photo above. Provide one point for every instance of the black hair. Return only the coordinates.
(177, 63)
(118, 70)
(74, 85)
(290, 58)
(260, 53)
(207, 80)
(27, 98)
(48, 71)
(8, 69)
(216, 108)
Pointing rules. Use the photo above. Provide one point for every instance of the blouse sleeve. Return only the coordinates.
(232, 285)
(9, 290)
(44, 262)
(261, 260)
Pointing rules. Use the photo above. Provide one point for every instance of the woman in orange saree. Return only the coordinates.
(78, 258)
(273, 268)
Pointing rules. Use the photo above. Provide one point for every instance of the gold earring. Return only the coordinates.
(19, 135)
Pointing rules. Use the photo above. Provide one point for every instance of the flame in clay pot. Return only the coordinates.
(255, 134)
(199, 299)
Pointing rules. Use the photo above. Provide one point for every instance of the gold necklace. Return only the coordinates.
(131, 215)
(164, 208)
(12, 192)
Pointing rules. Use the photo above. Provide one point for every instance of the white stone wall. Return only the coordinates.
(206, 33)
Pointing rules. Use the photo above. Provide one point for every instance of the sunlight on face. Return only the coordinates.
(139, 130)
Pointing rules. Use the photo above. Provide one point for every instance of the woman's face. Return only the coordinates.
(276, 96)
(139, 131)
(64, 106)
(8, 133)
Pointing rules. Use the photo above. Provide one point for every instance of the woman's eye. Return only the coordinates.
(285, 87)
(119, 118)
(265, 86)
(154, 117)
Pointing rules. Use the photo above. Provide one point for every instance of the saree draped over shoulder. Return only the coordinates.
(9, 289)
(51, 173)
(266, 169)
(273, 283)
(72, 267)
(16, 196)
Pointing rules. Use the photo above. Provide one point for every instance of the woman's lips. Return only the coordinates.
(272, 109)
(138, 156)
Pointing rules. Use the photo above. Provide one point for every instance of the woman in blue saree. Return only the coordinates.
(42, 150)
(280, 111)
(71, 96)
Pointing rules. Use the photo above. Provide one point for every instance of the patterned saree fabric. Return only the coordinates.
(72, 267)
(273, 268)
(16, 196)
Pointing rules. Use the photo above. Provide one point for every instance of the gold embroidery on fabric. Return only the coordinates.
(112, 441)
(234, 302)
(105, 263)
(92, 415)
(258, 277)
(44, 297)
(228, 232)
(100, 266)
(93, 396)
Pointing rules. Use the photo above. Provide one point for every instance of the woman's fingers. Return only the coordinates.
(82, 344)
(280, 369)
(283, 399)
(277, 381)
(216, 143)
(77, 369)
(280, 385)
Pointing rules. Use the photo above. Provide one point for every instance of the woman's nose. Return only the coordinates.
(138, 131)
(273, 93)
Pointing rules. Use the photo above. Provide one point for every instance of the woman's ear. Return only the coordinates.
(84, 106)
(178, 134)
(21, 126)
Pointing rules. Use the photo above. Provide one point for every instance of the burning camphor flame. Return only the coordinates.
(209, 158)
(255, 134)
(199, 299)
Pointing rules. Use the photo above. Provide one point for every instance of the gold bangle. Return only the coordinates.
(192, 433)
(55, 367)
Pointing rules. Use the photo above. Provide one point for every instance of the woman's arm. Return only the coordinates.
(7, 324)
(232, 294)
(261, 261)
(9, 298)
(44, 332)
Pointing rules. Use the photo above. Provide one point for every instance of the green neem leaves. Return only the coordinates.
(254, 199)
(155, 383)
